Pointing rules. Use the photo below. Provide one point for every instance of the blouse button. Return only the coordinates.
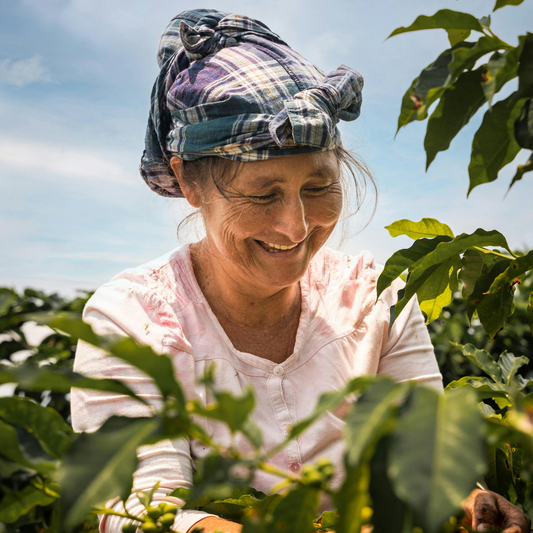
(279, 370)
(295, 468)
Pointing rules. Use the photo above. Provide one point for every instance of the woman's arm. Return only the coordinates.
(212, 523)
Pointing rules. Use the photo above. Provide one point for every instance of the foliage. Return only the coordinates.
(411, 454)
(406, 448)
(461, 87)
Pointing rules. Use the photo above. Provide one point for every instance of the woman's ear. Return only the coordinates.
(190, 191)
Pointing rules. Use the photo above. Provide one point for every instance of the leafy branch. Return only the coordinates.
(461, 91)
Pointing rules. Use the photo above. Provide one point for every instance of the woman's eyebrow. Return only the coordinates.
(264, 182)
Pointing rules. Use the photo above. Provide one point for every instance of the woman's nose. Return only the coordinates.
(292, 221)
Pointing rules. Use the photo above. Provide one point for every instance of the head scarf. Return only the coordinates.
(230, 87)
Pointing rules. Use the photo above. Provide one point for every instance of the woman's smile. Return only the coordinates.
(277, 248)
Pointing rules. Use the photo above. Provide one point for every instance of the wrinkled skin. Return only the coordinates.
(486, 511)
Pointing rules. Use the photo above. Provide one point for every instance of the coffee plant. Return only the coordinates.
(412, 455)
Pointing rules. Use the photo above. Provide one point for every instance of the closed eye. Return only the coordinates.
(319, 190)
(265, 198)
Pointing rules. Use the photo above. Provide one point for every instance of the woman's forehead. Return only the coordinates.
(319, 164)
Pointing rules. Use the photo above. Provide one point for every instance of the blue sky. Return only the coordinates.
(75, 80)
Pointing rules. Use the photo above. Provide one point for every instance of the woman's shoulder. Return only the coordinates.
(160, 280)
(144, 297)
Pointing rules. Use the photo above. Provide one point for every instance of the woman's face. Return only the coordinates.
(278, 214)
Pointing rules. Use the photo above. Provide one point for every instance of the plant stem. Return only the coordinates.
(271, 469)
(117, 513)
(492, 252)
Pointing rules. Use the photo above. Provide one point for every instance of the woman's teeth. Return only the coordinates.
(275, 248)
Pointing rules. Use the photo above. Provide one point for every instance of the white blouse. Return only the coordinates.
(342, 333)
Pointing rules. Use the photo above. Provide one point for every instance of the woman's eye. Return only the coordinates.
(319, 190)
(265, 198)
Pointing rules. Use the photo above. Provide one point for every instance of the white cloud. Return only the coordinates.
(60, 161)
(24, 71)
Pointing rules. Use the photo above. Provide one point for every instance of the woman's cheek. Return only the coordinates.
(327, 208)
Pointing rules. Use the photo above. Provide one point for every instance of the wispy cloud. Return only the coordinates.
(24, 71)
(60, 161)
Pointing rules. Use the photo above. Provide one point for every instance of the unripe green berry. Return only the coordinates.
(167, 519)
(129, 528)
(150, 527)
(169, 508)
(154, 513)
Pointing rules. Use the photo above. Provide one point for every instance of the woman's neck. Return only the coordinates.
(262, 321)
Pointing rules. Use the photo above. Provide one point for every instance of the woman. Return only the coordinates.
(244, 129)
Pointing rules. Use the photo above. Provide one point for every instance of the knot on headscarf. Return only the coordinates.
(213, 33)
(311, 116)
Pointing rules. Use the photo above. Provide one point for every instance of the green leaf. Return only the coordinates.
(456, 107)
(414, 284)
(487, 411)
(483, 360)
(352, 497)
(445, 19)
(437, 292)
(408, 108)
(484, 387)
(525, 69)
(297, 511)
(473, 262)
(235, 412)
(523, 127)
(7, 297)
(407, 258)
(521, 170)
(232, 508)
(371, 417)
(53, 433)
(17, 504)
(157, 366)
(483, 283)
(498, 477)
(446, 250)
(99, 466)
(328, 519)
(529, 312)
(437, 453)
(433, 80)
(518, 266)
(494, 145)
(494, 309)
(464, 58)
(11, 449)
(510, 364)
(389, 510)
(502, 3)
(146, 497)
(485, 22)
(426, 228)
(230, 409)
(31, 377)
(457, 36)
(501, 68)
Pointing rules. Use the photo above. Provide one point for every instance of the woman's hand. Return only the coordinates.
(487, 510)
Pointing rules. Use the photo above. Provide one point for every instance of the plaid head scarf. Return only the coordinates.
(230, 87)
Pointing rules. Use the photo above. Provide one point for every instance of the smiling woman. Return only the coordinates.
(245, 129)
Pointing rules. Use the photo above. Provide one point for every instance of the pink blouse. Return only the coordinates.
(342, 334)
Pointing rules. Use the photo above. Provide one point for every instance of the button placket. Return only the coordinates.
(282, 414)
